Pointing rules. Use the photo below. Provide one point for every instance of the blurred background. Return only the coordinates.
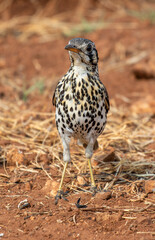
(33, 34)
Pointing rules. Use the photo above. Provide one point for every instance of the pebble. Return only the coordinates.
(51, 187)
(150, 186)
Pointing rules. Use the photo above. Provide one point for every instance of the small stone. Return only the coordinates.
(51, 187)
(28, 186)
(141, 219)
(59, 221)
(81, 180)
(119, 216)
(108, 156)
(15, 157)
(150, 186)
(103, 195)
(93, 218)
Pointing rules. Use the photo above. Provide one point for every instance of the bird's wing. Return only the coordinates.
(54, 99)
(107, 103)
(54, 95)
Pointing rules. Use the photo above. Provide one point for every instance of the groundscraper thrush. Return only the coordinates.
(81, 102)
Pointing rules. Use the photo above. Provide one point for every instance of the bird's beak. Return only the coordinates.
(72, 48)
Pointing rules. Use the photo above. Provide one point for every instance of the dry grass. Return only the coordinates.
(34, 135)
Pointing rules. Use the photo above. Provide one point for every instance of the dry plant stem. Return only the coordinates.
(46, 172)
(105, 207)
(4, 166)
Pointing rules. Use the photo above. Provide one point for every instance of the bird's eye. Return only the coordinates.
(89, 48)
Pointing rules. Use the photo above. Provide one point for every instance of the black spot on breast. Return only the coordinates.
(94, 98)
(90, 121)
(79, 113)
(82, 92)
(67, 96)
(78, 94)
(83, 81)
(79, 84)
(62, 130)
(87, 84)
(87, 114)
(59, 112)
(73, 115)
(89, 130)
(90, 107)
(85, 105)
(67, 121)
(93, 110)
(71, 109)
(88, 98)
(93, 124)
(68, 116)
(99, 113)
(96, 92)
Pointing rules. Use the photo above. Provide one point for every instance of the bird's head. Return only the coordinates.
(82, 50)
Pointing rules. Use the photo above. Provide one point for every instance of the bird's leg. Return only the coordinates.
(91, 174)
(66, 158)
(60, 193)
(89, 153)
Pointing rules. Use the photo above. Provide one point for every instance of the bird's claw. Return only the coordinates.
(60, 195)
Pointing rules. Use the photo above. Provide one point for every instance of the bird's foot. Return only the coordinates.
(94, 190)
(60, 195)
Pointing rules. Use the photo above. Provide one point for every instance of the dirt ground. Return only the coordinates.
(127, 68)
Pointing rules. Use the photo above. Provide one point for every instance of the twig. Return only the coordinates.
(105, 207)
(46, 172)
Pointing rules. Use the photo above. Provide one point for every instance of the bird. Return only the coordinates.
(82, 104)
